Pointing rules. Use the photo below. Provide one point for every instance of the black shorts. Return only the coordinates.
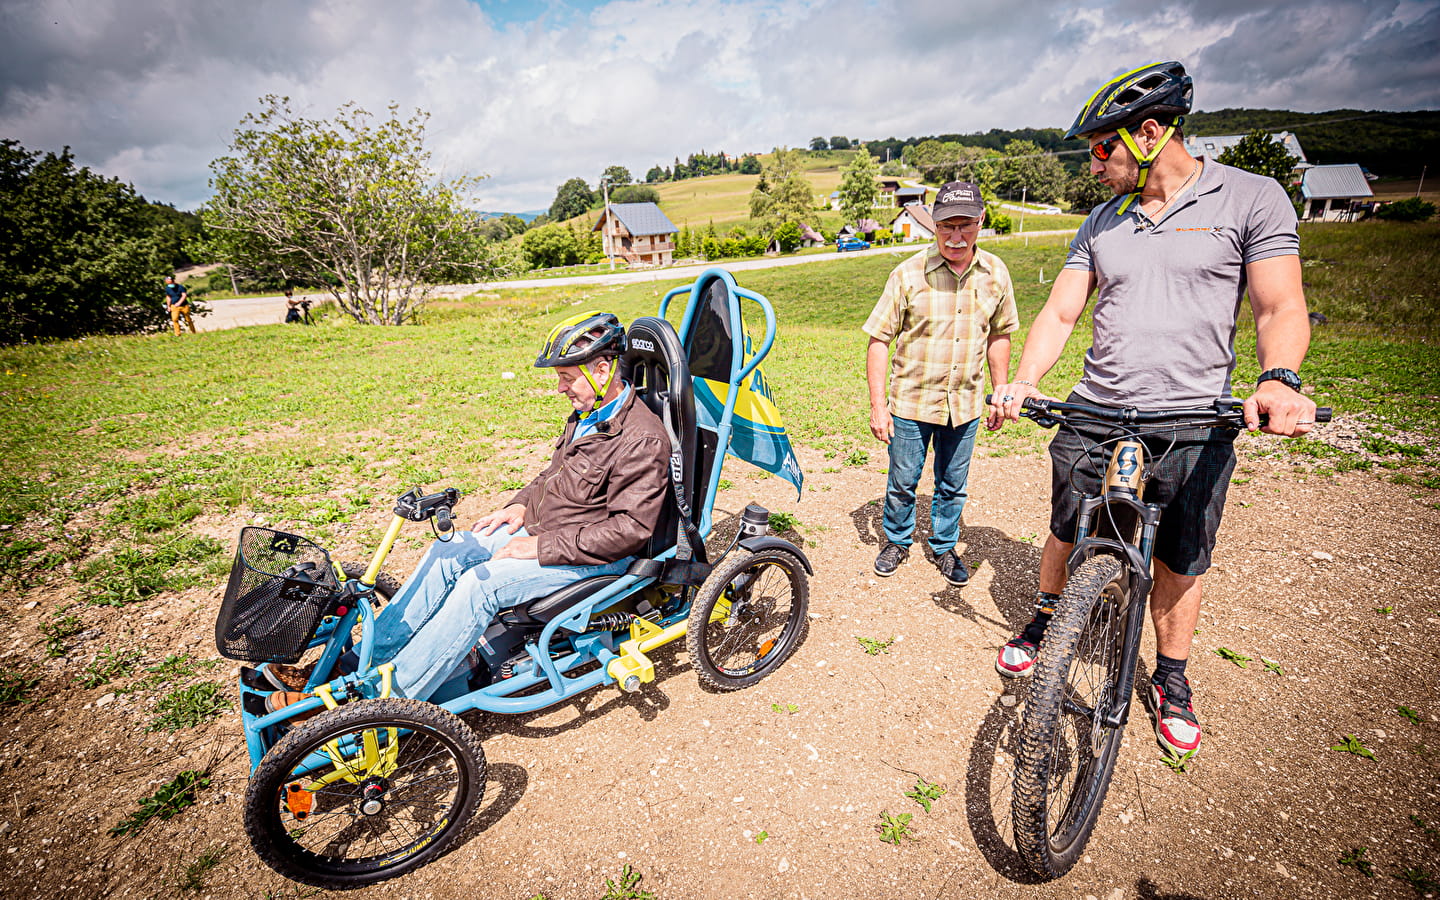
(1189, 485)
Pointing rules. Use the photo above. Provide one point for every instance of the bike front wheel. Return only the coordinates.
(1066, 754)
(365, 792)
(749, 617)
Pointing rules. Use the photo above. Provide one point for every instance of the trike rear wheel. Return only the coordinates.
(365, 792)
(1066, 753)
(748, 618)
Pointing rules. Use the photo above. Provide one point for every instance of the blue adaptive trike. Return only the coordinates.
(353, 785)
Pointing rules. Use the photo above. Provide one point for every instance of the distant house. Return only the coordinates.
(914, 224)
(1217, 144)
(860, 228)
(639, 233)
(834, 199)
(1335, 193)
(910, 196)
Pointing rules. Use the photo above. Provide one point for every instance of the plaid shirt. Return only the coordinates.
(937, 374)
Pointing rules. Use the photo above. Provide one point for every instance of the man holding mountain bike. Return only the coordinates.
(1170, 259)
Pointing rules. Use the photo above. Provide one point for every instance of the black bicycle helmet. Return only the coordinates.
(1160, 91)
(607, 338)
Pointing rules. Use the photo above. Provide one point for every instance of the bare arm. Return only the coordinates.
(1282, 335)
(877, 359)
(1047, 338)
(997, 357)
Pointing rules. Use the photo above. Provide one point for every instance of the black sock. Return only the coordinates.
(1044, 609)
(1165, 667)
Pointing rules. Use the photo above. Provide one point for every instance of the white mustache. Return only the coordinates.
(954, 246)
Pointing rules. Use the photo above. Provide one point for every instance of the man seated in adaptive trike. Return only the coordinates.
(587, 514)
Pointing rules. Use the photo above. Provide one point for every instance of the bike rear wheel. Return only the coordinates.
(1066, 755)
(413, 775)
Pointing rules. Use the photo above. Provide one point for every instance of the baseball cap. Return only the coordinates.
(958, 198)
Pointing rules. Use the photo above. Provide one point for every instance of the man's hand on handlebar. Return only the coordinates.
(1291, 412)
(511, 517)
(1006, 403)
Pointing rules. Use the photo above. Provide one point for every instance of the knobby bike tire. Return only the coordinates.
(766, 621)
(386, 585)
(1065, 760)
(337, 843)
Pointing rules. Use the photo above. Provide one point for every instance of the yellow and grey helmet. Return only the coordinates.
(579, 340)
(1160, 91)
(606, 337)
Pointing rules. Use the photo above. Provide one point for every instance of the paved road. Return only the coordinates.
(271, 310)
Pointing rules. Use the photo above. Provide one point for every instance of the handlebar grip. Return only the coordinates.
(1323, 413)
(443, 522)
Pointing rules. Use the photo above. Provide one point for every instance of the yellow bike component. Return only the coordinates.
(378, 560)
(721, 612)
(324, 693)
(632, 667)
(387, 672)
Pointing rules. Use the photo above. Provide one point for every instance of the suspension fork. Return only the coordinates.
(1138, 560)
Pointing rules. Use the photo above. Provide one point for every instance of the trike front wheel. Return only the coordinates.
(1066, 752)
(365, 792)
(748, 618)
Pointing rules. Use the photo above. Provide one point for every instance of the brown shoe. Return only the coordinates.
(281, 699)
(288, 678)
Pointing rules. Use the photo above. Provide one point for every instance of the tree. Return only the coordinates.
(1260, 153)
(1411, 209)
(655, 174)
(78, 254)
(1084, 192)
(819, 143)
(859, 188)
(573, 198)
(783, 194)
(1030, 170)
(839, 142)
(750, 164)
(788, 236)
(614, 175)
(348, 203)
(634, 193)
(550, 245)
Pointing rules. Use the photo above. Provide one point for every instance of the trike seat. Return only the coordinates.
(541, 610)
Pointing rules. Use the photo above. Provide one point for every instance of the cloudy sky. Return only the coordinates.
(532, 93)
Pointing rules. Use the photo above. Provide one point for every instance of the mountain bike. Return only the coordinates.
(1081, 684)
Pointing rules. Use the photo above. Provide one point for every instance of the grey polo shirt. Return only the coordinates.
(1169, 292)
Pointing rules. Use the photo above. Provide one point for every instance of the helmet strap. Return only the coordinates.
(1145, 160)
(600, 389)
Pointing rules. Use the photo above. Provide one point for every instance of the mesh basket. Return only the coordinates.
(280, 587)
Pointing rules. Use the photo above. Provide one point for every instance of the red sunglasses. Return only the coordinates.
(1103, 150)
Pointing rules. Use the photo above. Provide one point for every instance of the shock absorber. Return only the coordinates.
(611, 621)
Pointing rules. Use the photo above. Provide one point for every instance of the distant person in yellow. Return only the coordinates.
(949, 311)
(178, 301)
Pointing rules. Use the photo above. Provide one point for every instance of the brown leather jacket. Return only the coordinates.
(600, 497)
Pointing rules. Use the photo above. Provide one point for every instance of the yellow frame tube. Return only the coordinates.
(378, 560)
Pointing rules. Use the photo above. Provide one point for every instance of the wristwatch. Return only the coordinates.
(1284, 376)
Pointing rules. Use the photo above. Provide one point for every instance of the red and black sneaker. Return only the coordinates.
(1176, 727)
(1017, 657)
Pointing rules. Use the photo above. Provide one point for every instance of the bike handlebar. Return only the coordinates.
(1220, 415)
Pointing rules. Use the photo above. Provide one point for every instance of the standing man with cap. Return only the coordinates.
(1171, 257)
(948, 311)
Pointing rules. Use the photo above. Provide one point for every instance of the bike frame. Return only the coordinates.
(540, 669)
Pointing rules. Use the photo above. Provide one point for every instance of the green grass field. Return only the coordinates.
(113, 444)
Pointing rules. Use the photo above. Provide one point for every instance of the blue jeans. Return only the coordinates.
(953, 445)
(439, 614)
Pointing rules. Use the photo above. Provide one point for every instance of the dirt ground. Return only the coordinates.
(679, 782)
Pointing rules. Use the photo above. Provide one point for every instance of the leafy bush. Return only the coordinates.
(1411, 209)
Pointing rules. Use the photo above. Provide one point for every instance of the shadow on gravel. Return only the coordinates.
(511, 781)
(988, 775)
(1016, 563)
(1145, 889)
(648, 703)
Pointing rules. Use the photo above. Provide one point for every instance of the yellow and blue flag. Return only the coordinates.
(758, 434)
